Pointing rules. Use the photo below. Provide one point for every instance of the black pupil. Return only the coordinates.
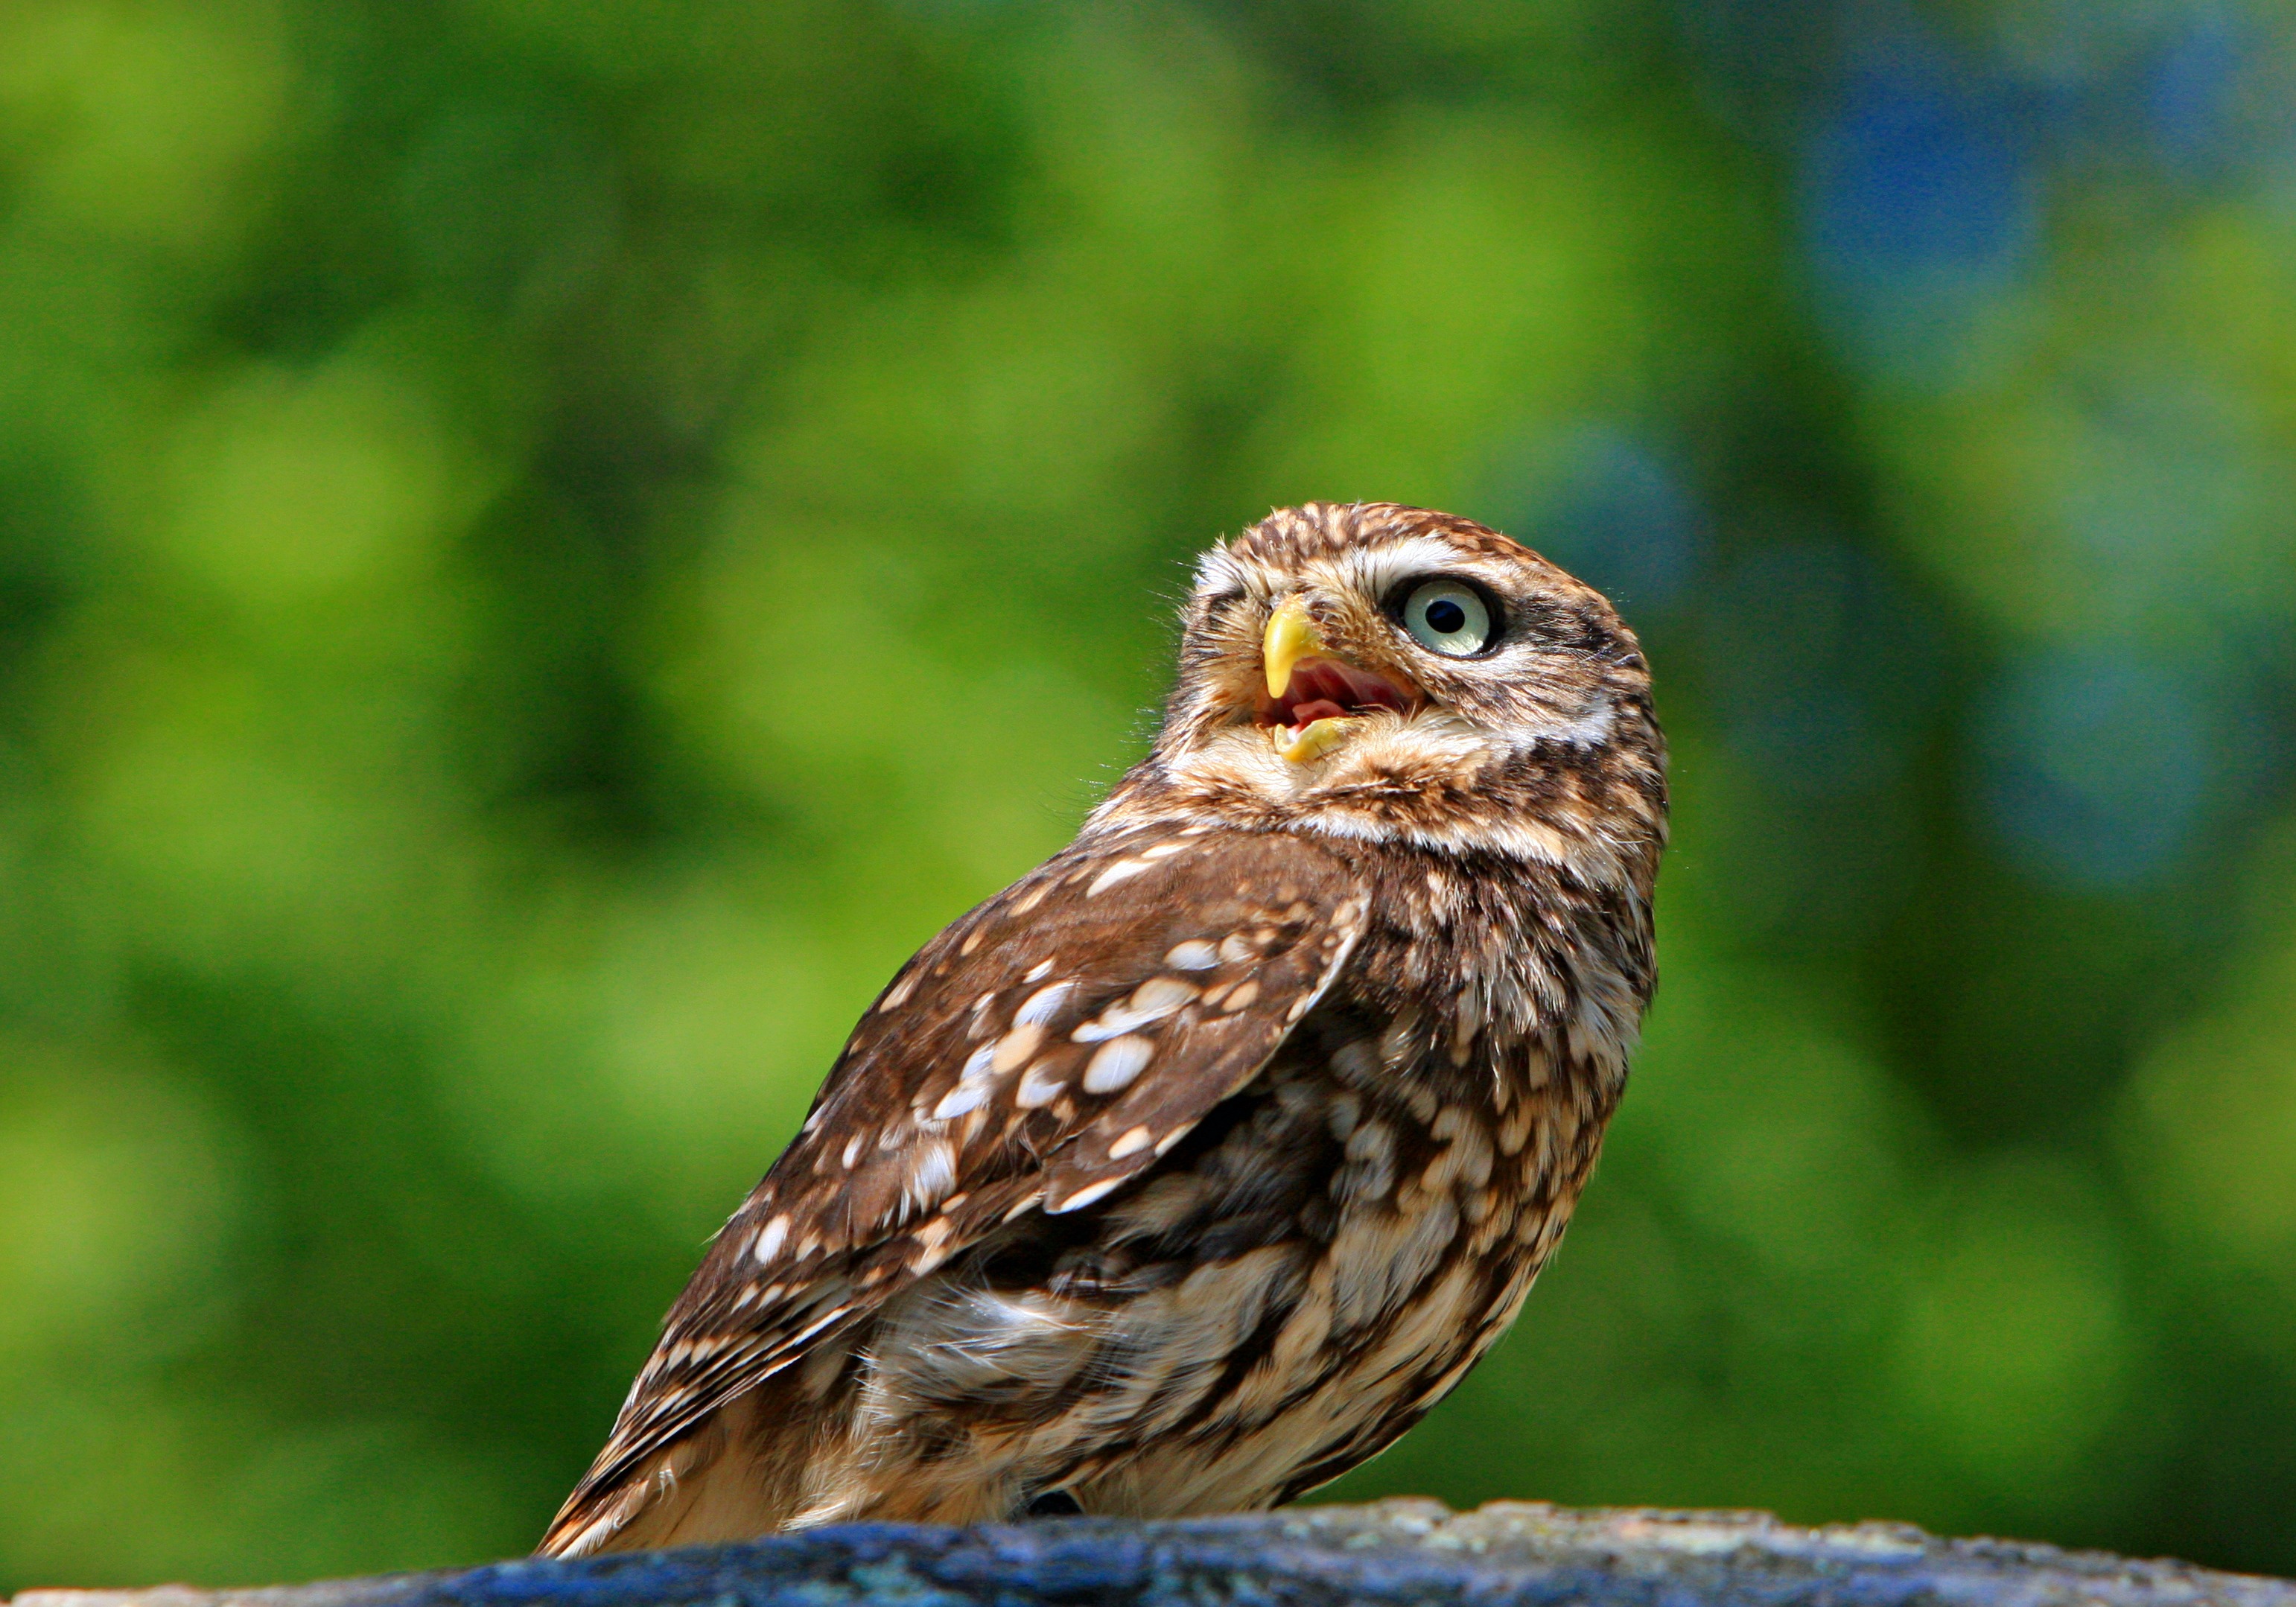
(1444, 617)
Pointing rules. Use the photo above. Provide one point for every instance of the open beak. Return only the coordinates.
(1312, 695)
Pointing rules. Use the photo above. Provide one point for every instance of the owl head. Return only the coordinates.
(1383, 672)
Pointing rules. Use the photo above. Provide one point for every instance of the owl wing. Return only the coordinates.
(1041, 1052)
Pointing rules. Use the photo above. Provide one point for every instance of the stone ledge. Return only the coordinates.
(1411, 1553)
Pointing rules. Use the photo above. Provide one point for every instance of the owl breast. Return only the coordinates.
(1289, 1289)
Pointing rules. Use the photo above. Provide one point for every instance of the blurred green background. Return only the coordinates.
(544, 545)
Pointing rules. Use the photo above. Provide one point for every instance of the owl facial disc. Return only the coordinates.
(1314, 697)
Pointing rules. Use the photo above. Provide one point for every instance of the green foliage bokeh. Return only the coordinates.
(546, 544)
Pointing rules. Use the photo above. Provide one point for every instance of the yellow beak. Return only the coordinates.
(1290, 637)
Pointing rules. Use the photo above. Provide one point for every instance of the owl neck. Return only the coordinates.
(1600, 823)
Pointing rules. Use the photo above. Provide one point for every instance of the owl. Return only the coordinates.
(1196, 1167)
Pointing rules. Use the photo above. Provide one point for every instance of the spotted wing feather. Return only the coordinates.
(1036, 1055)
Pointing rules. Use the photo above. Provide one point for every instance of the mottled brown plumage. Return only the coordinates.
(1193, 1168)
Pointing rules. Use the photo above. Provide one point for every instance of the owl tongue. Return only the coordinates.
(1323, 688)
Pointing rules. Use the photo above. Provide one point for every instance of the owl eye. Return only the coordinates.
(1448, 616)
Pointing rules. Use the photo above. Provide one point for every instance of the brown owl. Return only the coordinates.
(1193, 1168)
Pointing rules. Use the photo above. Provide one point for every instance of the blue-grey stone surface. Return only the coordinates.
(1409, 1554)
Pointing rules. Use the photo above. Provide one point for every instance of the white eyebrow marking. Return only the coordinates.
(1215, 571)
(1378, 571)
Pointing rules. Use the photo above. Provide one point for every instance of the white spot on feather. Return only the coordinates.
(932, 1172)
(1195, 955)
(1131, 1144)
(1041, 1085)
(963, 1098)
(1121, 870)
(771, 1237)
(1152, 1001)
(1043, 1005)
(1116, 1063)
(1084, 1196)
(1015, 1046)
